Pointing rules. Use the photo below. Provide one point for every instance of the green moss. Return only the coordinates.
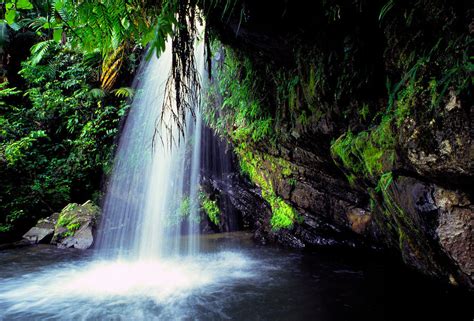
(68, 219)
(258, 167)
(384, 182)
(351, 178)
(367, 153)
(292, 181)
(283, 214)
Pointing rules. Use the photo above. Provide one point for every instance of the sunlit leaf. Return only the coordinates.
(57, 34)
(24, 4)
(10, 16)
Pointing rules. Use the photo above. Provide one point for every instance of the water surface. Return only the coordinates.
(232, 279)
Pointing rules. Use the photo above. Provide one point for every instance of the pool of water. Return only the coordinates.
(233, 279)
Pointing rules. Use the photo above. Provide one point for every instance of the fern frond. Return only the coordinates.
(124, 92)
(39, 50)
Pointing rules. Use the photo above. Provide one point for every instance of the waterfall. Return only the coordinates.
(152, 195)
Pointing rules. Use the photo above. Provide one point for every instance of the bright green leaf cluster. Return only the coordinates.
(210, 207)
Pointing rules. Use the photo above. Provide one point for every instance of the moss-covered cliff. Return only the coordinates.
(354, 120)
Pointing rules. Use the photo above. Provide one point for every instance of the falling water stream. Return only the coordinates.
(150, 262)
(156, 171)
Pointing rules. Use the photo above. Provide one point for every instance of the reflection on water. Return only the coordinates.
(232, 279)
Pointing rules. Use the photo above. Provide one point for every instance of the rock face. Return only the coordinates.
(404, 184)
(455, 229)
(431, 226)
(73, 227)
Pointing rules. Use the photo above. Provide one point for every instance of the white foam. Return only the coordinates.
(164, 281)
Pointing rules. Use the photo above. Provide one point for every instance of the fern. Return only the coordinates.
(124, 92)
(39, 50)
(97, 93)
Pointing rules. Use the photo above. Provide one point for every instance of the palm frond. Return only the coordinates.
(110, 68)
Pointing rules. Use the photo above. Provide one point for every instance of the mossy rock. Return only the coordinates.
(74, 218)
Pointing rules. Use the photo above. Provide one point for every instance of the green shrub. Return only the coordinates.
(210, 207)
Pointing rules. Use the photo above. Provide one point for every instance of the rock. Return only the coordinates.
(37, 235)
(455, 230)
(48, 221)
(43, 231)
(75, 227)
(82, 239)
(441, 148)
(359, 219)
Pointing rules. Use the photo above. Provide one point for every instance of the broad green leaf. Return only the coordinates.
(58, 5)
(10, 16)
(24, 4)
(57, 34)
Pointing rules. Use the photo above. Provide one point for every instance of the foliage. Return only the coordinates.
(241, 115)
(13, 9)
(210, 207)
(56, 138)
(113, 28)
(90, 25)
(185, 207)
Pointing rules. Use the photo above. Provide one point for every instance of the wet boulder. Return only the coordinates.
(39, 235)
(43, 231)
(82, 238)
(75, 227)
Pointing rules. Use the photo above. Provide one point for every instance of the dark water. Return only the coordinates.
(232, 280)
